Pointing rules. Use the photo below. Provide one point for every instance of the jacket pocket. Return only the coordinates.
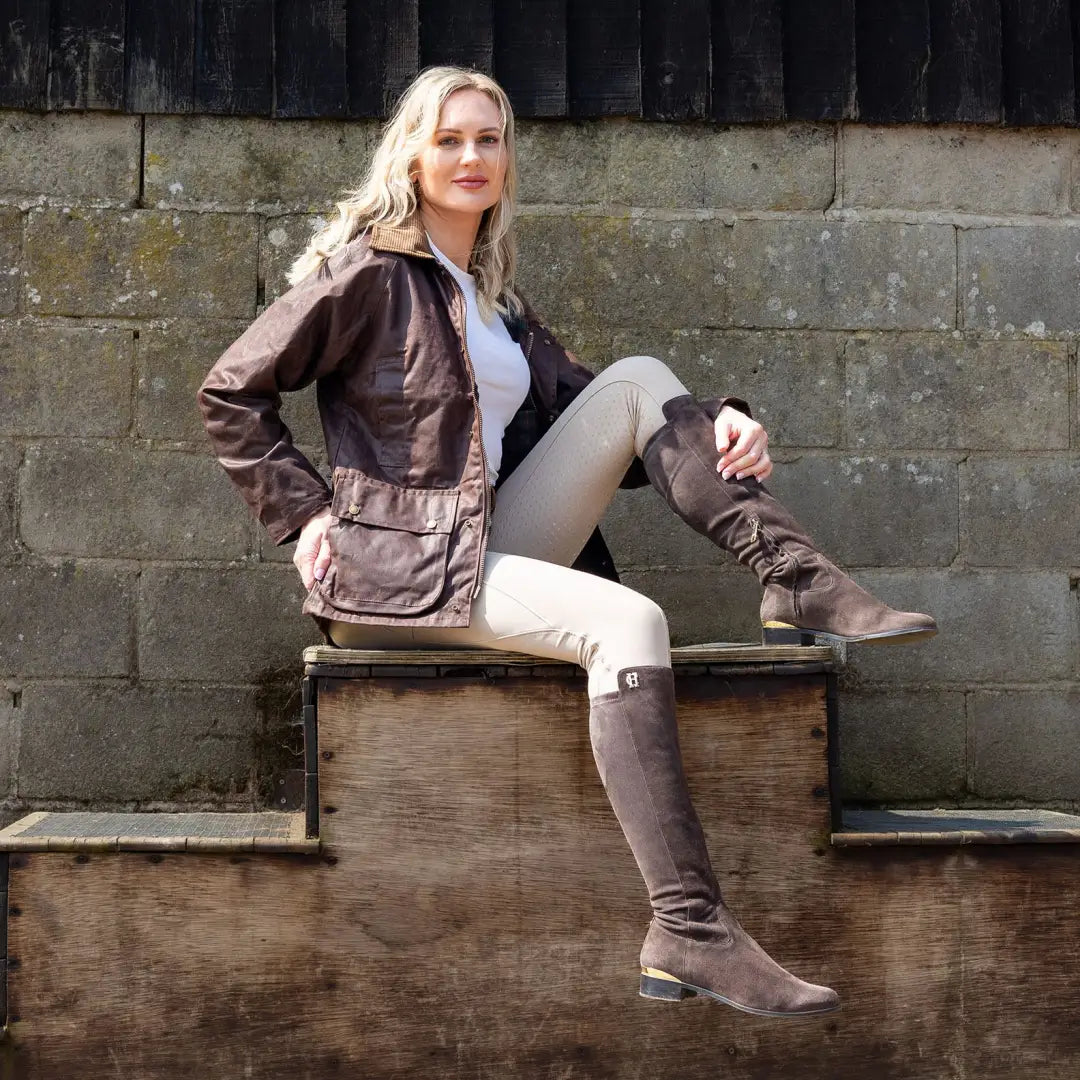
(388, 545)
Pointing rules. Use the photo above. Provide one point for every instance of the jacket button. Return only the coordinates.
(467, 524)
(353, 508)
(432, 523)
(547, 341)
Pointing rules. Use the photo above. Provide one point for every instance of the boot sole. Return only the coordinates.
(783, 634)
(660, 986)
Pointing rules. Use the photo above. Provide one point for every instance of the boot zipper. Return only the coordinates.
(475, 394)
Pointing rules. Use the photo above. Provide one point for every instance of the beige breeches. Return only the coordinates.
(530, 600)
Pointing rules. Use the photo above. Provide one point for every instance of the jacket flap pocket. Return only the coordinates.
(358, 497)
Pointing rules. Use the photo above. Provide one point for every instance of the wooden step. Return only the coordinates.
(889, 828)
(267, 831)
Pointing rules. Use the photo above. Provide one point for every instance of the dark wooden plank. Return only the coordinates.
(892, 51)
(309, 58)
(964, 77)
(382, 53)
(234, 67)
(603, 50)
(1038, 85)
(747, 60)
(530, 55)
(24, 53)
(159, 54)
(461, 32)
(675, 59)
(819, 62)
(86, 55)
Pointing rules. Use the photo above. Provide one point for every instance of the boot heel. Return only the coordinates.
(786, 635)
(663, 988)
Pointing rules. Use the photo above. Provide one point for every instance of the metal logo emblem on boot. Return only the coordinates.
(631, 680)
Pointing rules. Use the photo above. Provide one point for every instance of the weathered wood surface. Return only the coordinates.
(873, 828)
(475, 913)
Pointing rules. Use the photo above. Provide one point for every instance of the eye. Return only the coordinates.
(446, 140)
(491, 138)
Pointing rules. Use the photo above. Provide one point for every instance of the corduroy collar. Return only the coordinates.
(408, 238)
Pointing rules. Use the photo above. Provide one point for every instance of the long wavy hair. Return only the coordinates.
(387, 194)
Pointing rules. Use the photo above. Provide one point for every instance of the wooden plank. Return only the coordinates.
(86, 55)
(382, 51)
(234, 68)
(460, 33)
(309, 58)
(675, 59)
(865, 828)
(819, 59)
(603, 56)
(1038, 86)
(708, 653)
(892, 51)
(964, 77)
(530, 55)
(747, 60)
(24, 53)
(159, 52)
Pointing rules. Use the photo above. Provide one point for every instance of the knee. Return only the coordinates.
(647, 619)
(640, 369)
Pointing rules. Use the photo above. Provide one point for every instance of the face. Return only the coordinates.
(463, 167)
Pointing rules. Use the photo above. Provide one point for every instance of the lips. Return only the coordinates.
(471, 183)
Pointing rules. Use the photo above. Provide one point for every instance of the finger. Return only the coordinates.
(739, 450)
(724, 432)
(761, 464)
(322, 561)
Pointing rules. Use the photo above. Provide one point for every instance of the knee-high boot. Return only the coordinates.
(694, 945)
(806, 595)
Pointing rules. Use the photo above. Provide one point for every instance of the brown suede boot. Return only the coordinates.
(694, 945)
(806, 596)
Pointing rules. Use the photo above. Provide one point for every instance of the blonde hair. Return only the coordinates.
(387, 194)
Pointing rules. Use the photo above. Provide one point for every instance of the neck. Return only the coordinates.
(454, 234)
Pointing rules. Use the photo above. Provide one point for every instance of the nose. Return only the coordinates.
(471, 151)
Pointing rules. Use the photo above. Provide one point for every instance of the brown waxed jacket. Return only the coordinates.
(381, 329)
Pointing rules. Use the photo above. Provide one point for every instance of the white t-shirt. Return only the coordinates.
(502, 373)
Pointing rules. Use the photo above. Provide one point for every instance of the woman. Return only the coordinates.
(437, 387)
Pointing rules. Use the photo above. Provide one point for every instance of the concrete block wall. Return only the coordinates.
(898, 304)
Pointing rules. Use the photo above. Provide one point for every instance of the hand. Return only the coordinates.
(312, 555)
(743, 446)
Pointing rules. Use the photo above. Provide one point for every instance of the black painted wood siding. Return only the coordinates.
(984, 61)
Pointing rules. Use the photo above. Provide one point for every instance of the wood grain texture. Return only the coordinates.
(675, 59)
(747, 60)
(1038, 85)
(24, 53)
(86, 54)
(382, 44)
(964, 77)
(309, 58)
(604, 57)
(530, 55)
(459, 33)
(234, 68)
(892, 54)
(159, 55)
(819, 59)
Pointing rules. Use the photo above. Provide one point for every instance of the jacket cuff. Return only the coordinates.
(285, 529)
(713, 406)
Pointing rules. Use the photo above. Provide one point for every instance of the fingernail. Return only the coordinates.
(320, 572)
(726, 474)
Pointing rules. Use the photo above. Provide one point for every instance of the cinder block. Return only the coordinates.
(874, 511)
(836, 275)
(643, 532)
(703, 604)
(1020, 511)
(1026, 744)
(956, 169)
(64, 380)
(78, 155)
(1020, 277)
(117, 742)
(623, 272)
(994, 626)
(902, 746)
(560, 162)
(792, 381)
(10, 456)
(250, 160)
(949, 391)
(145, 263)
(221, 624)
(11, 230)
(116, 501)
(66, 619)
(283, 238)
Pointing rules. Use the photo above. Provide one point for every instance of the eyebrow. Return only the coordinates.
(457, 131)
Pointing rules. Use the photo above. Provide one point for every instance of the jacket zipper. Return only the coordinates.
(475, 394)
